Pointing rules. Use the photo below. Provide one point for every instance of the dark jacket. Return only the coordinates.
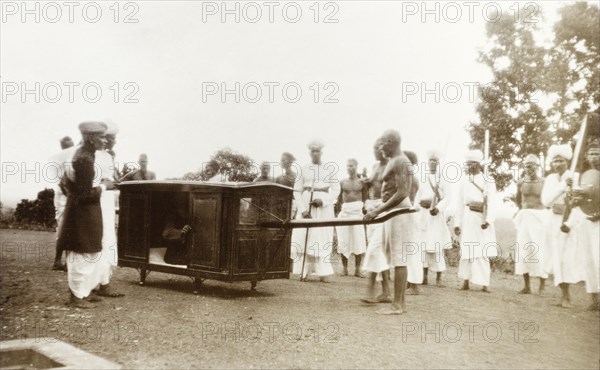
(81, 229)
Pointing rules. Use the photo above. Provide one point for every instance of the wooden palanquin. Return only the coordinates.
(227, 241)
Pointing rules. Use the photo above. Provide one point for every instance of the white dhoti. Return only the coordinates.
(351, 239)
(85, 271)
(476, 271)
(375, 259)
(109, 235)
(476, 247)
(531, 255)
(319, 242)
(434, 237)
(567, 256)
(400, 243)
(60, 202)
(589, 244)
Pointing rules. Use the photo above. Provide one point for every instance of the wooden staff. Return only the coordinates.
(312, 192)
(486, 155)
(576, 153)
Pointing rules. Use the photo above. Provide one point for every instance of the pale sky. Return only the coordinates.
(369, 54)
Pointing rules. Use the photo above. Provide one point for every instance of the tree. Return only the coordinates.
(229, 164)
(508, 106)
(39, 211)
(573, 72)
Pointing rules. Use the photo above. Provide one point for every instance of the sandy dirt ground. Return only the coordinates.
(290, 324)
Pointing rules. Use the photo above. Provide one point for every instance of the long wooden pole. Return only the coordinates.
(576, 153)
(312, 192)
(329, 222)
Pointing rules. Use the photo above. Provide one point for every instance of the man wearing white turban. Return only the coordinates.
(435, 236)
(477, 234)
(316, 191)
(530, 222)
(561, 241)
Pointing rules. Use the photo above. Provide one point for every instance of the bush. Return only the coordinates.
(36, 212)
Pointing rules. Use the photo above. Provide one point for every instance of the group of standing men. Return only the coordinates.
(558, 223)
(411, 244)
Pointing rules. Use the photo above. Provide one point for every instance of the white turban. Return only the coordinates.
(434, 153)
(112, 129)
(563, 150)
(474, 156)
(315, 145)
(531, 158)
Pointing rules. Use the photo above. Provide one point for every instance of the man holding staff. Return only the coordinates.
(375, 261)
(474, 223)
(587, 197)
(560, 239)
(399, 232)
(315, 191)
(433, 198)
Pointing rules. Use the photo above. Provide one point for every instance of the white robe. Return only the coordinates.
(433, 230)
(375, 259)
(564, 259)
(531, 249)
(351, 239)
(107, 205)
(56, 171)
(320, 240)
(589, 243)
(476, 244)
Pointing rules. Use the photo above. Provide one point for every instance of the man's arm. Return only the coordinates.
(518, 195)
(84, 180)
(403, 179)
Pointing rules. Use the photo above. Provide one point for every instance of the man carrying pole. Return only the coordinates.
(316, 190)
(399, 232)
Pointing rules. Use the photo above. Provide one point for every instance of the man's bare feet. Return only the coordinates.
(379, 299)
(324, 279)
(345, 271)
(565, 303)
(525, 291)
(359, 274)
(485, 289)
(439, 284)
(413, 290)
(392, 310)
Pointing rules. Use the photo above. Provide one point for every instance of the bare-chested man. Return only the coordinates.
(399, 232)
(531, 255)
(375, 261)
(351, 239)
